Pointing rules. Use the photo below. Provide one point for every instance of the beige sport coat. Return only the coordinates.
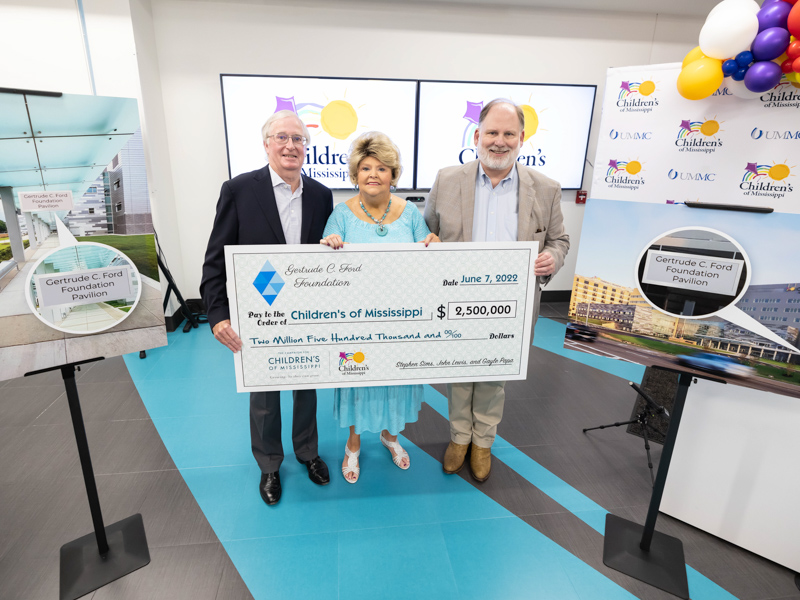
(451, 205)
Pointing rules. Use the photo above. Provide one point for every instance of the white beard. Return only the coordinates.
(497, 163)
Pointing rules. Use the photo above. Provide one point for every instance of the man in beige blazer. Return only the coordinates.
(493, 198)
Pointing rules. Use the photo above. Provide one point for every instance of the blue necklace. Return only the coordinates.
(382, 229)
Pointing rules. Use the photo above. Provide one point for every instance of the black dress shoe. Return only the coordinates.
(270, 487)
(317, 470)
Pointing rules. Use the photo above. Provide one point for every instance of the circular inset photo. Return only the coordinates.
(85, 288)
(693, 272)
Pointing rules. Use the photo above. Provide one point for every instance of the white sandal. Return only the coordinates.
(398, 454)
(352, 465)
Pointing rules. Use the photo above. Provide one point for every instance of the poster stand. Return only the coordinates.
(641, 551)
(121, 548)
(642, 418)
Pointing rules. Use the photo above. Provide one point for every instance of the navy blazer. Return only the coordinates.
(248, 214)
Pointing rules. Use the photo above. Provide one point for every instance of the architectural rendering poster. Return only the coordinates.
(655, 146)
(78, 269)
(708, 291)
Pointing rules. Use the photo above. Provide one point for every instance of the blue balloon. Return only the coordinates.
(739, 75)
(729, 67)
(744, 59)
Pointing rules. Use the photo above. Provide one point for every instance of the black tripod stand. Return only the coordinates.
(650, 408)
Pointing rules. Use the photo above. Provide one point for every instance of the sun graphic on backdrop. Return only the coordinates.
(647, 87)
(633, 167)
(709, 128)
(339, 119)
(779, 172)
(531, 121)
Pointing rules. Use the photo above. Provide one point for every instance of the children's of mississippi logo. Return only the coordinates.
(534, 158)
(784, 95)
(767, 180)
(637, 96)
(698, 136)
(339, 120)
(352, 363)
(624, 174)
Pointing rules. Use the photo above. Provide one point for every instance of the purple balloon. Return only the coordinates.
(762, 76)
(770, 43)
(773, 15)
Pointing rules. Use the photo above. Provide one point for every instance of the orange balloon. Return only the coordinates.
(700, 79)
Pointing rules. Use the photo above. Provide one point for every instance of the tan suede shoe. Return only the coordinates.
(480, 461)
(454, 457)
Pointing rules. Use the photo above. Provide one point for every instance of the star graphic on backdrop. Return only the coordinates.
(686, 125)
(625, 86)
(285, 104)
(752, 167)
(613, 164)
(473, 113)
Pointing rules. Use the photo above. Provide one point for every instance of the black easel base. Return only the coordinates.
(83, 570)
(797, 581)
(662, 567)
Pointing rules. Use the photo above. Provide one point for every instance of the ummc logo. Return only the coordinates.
(686, 176)
(630, 135)
(758, 134)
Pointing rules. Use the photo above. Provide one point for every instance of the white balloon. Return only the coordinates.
(739, 89)
(750, 5)
(728, 32)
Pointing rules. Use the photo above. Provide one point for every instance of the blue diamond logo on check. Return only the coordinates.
(268, 283)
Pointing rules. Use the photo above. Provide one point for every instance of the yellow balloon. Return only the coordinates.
(700, 78)
(694, 54)
(793, 77)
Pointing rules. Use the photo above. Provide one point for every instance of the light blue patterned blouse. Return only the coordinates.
(382, 407)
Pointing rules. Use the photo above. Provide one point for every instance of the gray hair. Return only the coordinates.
(282, 114)
(485, 111)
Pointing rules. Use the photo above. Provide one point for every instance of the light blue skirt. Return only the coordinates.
(377, 408)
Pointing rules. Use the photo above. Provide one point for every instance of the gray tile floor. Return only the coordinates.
(43, 502)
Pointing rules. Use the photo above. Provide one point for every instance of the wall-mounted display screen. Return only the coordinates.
(557, 123)
(336, 111)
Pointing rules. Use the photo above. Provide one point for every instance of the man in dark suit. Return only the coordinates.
(273, 205)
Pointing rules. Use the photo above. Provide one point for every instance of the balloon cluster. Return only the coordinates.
(753, 45)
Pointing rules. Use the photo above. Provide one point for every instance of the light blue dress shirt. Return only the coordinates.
(290, 206)
(496, 209)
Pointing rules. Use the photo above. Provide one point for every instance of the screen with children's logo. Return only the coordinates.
(557, 122)
(335, 111)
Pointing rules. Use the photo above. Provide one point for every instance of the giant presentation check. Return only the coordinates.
(380, 314)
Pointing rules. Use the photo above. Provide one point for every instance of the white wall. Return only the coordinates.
(183, 45)
(196, 41)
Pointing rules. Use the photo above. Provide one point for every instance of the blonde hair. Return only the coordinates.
(379, 146)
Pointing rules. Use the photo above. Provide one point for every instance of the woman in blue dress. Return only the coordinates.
(375, 215)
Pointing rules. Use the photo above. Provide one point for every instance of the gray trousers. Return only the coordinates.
(475, 410)
(265, 427)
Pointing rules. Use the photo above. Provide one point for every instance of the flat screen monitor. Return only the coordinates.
(557, 123)
(336, 111)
